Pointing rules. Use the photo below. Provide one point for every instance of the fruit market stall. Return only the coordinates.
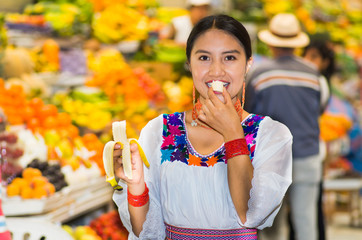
(74, 67)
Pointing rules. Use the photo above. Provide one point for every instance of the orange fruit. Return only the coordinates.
(64, 119)
(28, 113)
(50, 122)
(15, 90)
(2, 83)
(29, 173)
(90, 137)
(40, 192)
(49, 187)
(21, 182)
(27, 193)
(48, 110)
(36, 103)
(15, 120)
(38, 181)
(13, 190)
(33, 123)
(73, 131)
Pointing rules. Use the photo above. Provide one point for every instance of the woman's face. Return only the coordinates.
(217, 55)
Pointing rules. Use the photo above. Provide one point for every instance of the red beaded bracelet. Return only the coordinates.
(236, 147)
(138, 200)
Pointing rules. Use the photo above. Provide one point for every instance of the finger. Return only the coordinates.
(212, 96)
(118, 169)
(135, 155)
(202, 115)
(117, 146)
(226, 96)
(206, 109)
(117, 153)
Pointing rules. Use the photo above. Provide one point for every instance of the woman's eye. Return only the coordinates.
(228, 58)
(204, 58)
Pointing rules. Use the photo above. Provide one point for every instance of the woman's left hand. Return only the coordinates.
(222, 117)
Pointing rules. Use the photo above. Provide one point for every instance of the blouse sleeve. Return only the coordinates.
(153, 227)
(272, 173)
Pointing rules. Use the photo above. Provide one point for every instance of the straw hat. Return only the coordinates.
(284, 31)
(198, 2)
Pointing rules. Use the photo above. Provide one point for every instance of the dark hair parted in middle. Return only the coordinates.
(224, 23)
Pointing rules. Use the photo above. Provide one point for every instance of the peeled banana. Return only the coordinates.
(120, 137)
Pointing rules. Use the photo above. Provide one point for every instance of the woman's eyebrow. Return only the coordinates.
(232, 51)
(226, 52)
(202, 51)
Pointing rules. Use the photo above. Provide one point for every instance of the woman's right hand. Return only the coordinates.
(137, 166)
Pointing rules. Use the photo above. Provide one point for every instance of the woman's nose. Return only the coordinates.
(217, 69)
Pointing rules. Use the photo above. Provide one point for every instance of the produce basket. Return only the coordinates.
(66, 198)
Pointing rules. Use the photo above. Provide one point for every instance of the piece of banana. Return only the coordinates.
(217, 86)
(120, 137)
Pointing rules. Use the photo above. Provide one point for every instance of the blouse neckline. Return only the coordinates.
(192, 147)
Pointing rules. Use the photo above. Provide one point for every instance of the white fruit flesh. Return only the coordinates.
(217, 86)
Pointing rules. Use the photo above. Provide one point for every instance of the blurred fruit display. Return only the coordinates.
(87, 107)
(179, 94)
(10, 152)
(119, 22)
(81, 233)
(109, 227)
(32, 184)
(3, 36)
(165, 14)
(66, 18)
(61, 138)
(100, 5)
(135, 94)
(16, 62)
(51, 171)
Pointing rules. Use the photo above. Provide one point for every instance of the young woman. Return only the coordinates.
(216, 171)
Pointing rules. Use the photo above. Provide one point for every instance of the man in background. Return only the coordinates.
(291, 91)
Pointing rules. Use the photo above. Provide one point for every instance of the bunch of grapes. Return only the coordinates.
(51, 171)
(9, 154)
(7, 148)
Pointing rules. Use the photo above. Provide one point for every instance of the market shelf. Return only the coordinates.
(350, 187)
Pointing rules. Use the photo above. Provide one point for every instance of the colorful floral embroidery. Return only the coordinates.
(176, 147)
(251, 127)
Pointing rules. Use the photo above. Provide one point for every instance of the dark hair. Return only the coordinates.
(326, 52)
(221, 22)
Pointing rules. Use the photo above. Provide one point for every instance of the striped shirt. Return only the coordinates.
(293, 92)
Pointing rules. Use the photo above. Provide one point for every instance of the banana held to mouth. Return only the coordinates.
(120, 137)
(217, 86)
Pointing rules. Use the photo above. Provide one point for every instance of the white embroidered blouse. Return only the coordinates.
(190, 190)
